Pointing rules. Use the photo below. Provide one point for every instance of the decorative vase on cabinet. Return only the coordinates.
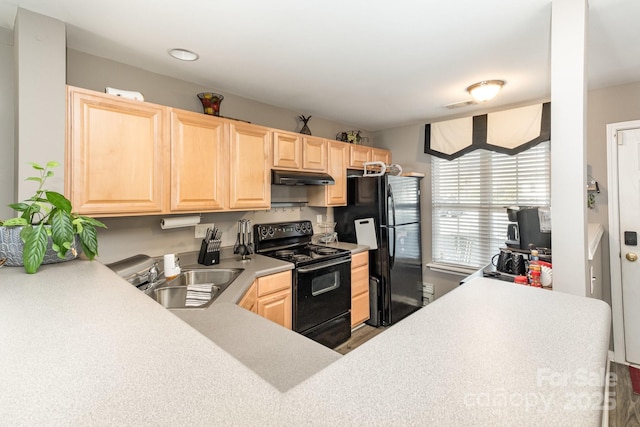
(211, 102)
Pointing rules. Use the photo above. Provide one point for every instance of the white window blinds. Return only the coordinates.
(469, 197)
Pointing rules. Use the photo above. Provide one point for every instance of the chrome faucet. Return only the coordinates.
(152, 278)
(154, 272)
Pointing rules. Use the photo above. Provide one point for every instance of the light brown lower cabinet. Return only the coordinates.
(359, 288)
(270, 297)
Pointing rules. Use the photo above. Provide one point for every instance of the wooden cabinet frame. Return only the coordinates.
(126, 157)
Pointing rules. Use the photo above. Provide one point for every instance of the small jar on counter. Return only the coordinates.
(535, 279)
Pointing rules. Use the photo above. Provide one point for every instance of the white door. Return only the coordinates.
(628, 145)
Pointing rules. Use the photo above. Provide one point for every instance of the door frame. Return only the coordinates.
(614, 237)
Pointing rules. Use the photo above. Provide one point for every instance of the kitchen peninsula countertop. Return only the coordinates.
(82, 346)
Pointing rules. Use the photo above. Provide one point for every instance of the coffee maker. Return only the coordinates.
(529, 227)
(513, 232)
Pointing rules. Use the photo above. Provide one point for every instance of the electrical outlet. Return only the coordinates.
(319, 219)
(201, 230)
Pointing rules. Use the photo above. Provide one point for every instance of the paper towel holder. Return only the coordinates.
(179, 222)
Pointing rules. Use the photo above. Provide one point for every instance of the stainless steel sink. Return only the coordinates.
(173, 293)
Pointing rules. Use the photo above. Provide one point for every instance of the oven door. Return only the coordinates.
(322, 292)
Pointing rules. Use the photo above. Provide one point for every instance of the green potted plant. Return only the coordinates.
(46, 224)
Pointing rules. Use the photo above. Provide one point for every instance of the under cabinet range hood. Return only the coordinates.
(284, 177)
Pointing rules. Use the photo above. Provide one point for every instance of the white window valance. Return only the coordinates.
(510, 131)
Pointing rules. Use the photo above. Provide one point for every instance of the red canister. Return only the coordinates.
(521, 280)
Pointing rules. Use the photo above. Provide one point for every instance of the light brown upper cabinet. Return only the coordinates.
(199, 162)
(380, 155)
(250, 167)
(358, 156)
(332, 195)
(299, 152)
(314, 154)
(287, 150)
(117, 153)
(127, 157)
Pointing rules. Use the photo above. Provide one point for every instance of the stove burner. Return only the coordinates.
(325, 251)
(289, 242)
(284, 253)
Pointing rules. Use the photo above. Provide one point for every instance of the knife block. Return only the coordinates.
(208, 258)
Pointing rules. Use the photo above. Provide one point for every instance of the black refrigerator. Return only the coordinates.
(395, 267)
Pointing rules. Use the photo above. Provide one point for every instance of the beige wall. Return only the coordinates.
(92, 72)
(608, 105)
(39, 46)
(6, 123)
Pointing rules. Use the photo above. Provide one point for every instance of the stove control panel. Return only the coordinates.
(280, 230)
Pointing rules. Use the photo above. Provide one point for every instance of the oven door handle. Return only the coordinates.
(321, 266)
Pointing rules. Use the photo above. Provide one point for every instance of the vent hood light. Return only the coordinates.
(183, 54)
(283, 177)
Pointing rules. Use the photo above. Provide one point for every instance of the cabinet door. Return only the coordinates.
(250, 299)
(358, 156)
(199, 162)
(117, 154)
(274, 298)
(276, 307)
(359, 288)
(287, 150)
(359, 309)
(360, 280)
(380, 155)
(314, 154)
(250, 167)
(338, 160)
(332, 195)
(274, 283)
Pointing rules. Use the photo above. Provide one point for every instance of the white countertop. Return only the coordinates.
(81, 346)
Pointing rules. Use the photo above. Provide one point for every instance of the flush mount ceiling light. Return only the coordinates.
(485, 90)
(183, 54)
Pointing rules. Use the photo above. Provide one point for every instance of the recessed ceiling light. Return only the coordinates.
(485, 90)
(183, 54)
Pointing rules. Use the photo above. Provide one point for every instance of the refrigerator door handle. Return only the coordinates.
(392, 204)
(392, 241)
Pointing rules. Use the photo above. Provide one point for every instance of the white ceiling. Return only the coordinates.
(374, 64)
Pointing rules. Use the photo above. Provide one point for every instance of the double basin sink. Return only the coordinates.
(172, 293)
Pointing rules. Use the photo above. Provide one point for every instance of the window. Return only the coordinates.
(470, 195)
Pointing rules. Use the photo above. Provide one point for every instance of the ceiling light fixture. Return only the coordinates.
(485, 90)
(183, 54)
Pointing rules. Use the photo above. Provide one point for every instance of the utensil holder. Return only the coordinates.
(206, 257)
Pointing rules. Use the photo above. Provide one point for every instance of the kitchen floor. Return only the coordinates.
(626, 412)
(358, 337)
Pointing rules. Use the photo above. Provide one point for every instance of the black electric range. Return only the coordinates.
(321, 285)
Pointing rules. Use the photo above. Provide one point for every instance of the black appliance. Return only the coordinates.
(286, 177)
(396, 265)
(321, 280)
(527, 229)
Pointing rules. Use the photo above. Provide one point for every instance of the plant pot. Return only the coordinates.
(11, 248)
